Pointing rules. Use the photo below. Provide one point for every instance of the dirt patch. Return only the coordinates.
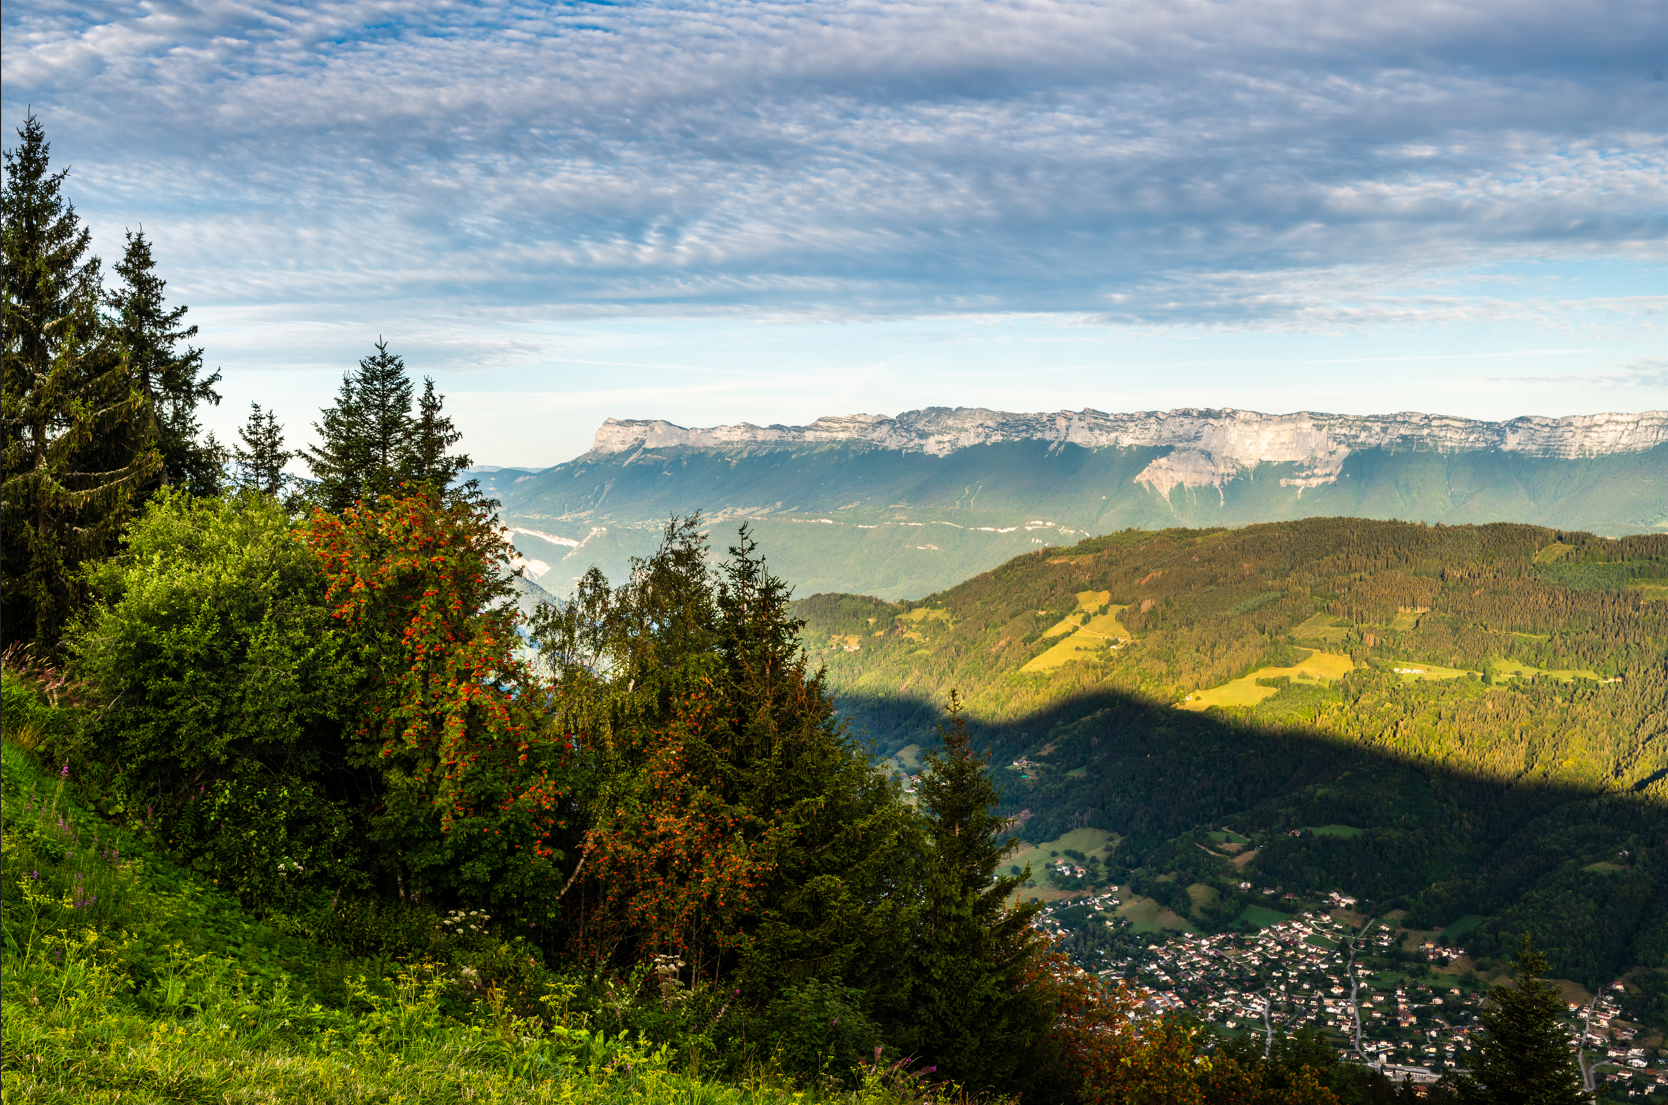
(1244, 858)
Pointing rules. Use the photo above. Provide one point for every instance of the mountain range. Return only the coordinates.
(900, 507)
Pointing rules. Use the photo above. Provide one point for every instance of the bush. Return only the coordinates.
(224, 692)
(817, 1029)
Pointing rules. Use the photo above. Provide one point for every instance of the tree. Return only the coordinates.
(732, 819)
(1522, 1054)
(426, 461)
(472, 801)
(366, 435)
(371, 443)
(971, 1010)
(342, 459)
(148, 333)
(76, 452)
(261, 463)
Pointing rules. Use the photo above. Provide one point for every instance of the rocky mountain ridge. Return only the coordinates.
(1209, 447)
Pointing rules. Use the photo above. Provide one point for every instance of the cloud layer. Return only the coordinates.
(1285, 165)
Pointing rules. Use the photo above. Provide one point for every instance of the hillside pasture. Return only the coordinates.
(1091, 842)
(1084, 639)
(1411, 670)
(1147, 915)
(1344, 832)
(1246, 691)
(1320, 627)
(1517, 669)
(1260, 916)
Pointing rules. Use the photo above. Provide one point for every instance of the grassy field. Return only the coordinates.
(1462, 926)
(1088, 841)
(1247, 692)
(1203, 896)
(1320, 628)
(1262, 916)
(1411, 670)
(1146, 915)
(1347, 832)
(1516, 669)
(1081, 639)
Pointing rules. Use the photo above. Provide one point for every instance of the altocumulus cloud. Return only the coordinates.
(1177, 163)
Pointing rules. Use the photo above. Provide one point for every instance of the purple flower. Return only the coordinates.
(64, 774)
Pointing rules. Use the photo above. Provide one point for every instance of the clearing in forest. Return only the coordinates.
(1146, 915)
(1320, 628)
(1410, 670)
(1092, 626)
(1246, 691)
(1260, 916)
(1516, 669)
(1090, 842)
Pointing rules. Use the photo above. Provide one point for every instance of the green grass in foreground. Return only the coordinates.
(128, 979)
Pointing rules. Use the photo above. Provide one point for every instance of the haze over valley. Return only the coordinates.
(900, 507)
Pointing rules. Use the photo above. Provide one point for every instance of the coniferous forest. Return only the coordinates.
(308, 799)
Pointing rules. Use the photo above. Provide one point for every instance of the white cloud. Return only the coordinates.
(848, 160)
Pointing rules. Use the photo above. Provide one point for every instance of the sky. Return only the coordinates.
(767, 212)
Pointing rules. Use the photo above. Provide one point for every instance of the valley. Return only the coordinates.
(1216, 729)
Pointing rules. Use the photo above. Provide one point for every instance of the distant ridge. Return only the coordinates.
(904, 506)
(1211, 445)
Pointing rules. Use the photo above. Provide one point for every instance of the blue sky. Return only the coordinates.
(771, 211)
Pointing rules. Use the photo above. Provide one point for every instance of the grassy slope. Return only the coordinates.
(129, 979)
(906, 524)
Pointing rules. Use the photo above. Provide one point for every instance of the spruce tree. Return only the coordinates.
(76, 453)
(342, 459)
(971, 1009)
(1522, 1055)
(426, 461)
(367, 439)
(261, 464)
(149, 334)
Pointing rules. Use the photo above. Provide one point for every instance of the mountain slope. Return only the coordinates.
(1487, 705)
(901, 507)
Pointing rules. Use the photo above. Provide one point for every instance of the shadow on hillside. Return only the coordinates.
(1440, 842)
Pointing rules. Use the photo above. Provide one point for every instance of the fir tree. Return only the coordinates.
(149, 334)
(426, 461)
(76, 451)
(370, 443)
(971, 1010)
(1522, 1055)
(342, 459)
(383, 391)
(261, 464)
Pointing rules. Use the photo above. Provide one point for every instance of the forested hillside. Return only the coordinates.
(1488, 703)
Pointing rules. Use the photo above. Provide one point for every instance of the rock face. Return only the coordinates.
(1209, 447)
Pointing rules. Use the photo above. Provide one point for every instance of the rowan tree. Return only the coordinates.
(473, 795)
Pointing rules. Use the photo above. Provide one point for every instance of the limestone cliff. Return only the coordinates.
(1208, 447)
